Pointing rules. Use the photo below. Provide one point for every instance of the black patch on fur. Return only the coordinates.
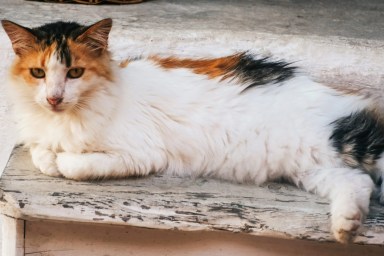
(263, 71)
(360, 138)
(59, 33)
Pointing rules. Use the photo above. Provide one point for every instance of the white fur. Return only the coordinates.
(152, 120)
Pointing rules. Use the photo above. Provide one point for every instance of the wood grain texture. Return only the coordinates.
(165, 202)
(13, 236)
(47, 238)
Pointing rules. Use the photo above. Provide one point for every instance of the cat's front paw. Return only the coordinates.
(45, 161)
(72, 166)
(345, 226)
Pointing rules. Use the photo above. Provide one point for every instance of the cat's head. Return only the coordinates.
(60, 63)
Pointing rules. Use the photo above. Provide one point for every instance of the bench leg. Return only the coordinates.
(12, 236)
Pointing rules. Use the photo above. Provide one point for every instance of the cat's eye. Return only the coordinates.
(37, 73)
(75, 73)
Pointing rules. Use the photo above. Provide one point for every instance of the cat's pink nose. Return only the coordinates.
(54, 101)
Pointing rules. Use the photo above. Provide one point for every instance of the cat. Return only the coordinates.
(239, 118)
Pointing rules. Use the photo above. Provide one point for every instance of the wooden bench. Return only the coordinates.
(163, 215)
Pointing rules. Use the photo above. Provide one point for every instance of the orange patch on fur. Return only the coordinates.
(33, 59)
(220, 67)
(82, 57)
(124, 63)
(47, 54)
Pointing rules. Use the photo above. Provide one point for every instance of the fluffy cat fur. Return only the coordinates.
(237, 118)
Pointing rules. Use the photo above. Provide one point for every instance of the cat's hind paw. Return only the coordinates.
(345, 228)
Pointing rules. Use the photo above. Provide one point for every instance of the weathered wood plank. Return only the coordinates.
(13, 236)
(165, 202)
(46, 238)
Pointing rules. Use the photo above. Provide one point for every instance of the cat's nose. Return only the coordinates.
(54, 101)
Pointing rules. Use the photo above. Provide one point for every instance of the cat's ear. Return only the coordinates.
(22, 38)
(95, 37)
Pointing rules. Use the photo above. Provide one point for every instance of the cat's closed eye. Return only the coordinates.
(74, 73)
(37, 73)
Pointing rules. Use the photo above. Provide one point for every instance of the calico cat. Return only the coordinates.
(239, 118)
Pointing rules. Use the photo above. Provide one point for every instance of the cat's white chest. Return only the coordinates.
(61, 134)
